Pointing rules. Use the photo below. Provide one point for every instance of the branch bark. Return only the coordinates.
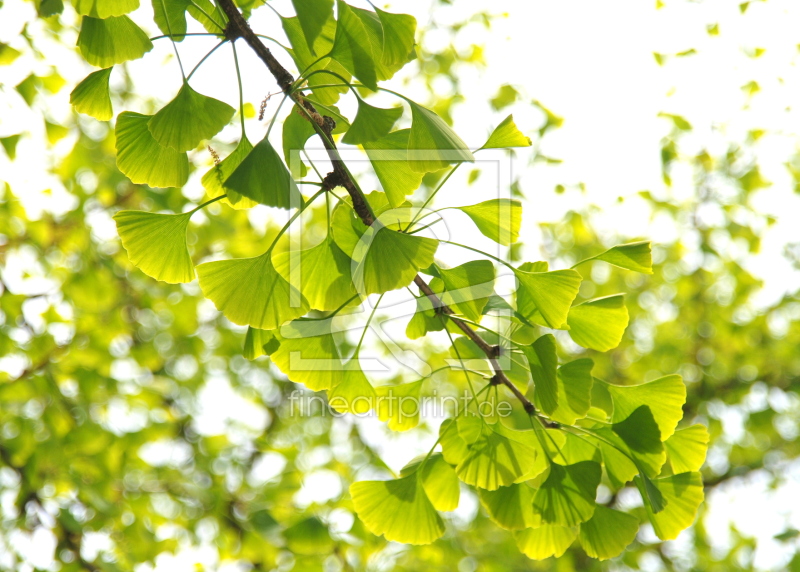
(239, 28)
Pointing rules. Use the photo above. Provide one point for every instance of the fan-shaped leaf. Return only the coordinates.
(574, 391)
(142, 159)
(687, 448)
(549, 294)
(308, 354)
(91, 96)
(398, 509)
(664, 396)
(543, 363)
(250, 292)
(497, 458)
(398, 39)
(632, 256)
(354, 393)
(545, 541)
(608, 533)
(506, 135)
(209, 14)
(454, 448)
(104, 8)
(263, 177)
(424, 320)
(170, 17)
(639, 436)
(619, 468)
(498, 219)
(214, 179)
(510, 507)
(467, 287)
(433, 143)
(683, 494)
(358, 43)
(371, 123)
(189, 119)
(599, 324)
(399, 405)
(312, 14)
(115, 40)
(389, 158)
(156, 244)
(567, 496)
(438, 479)
(258, 343)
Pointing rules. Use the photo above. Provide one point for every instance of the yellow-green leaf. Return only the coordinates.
(438, 479)
(91, 96)
(399, 405)
(105, 8)
(608, 533)
(312, 15)
(308, 354)
(498, 219)
(600, 323)
(506, 135)
(545, 541)
(497, 458)
(549, 294)
(389, 158)
(543, 364)
(467, 287)
(687, 448)
(432, 144)
(213, 180)
(371, 123)
(574, 391)
(567, 496)
(632, 256)
(142, 159)
(510, 507)
(664, 396)
(683, 494)
(110, 41)
(170, 17)
(354, 393)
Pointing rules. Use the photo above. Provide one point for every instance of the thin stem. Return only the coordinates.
(275, 116)
(481, 326)
(174, 47)
(336, 311)
(291, 220)
(433, 194)
(205, 204)
(463, 367)
(205, 57)
(309, 183)
(206, 14)
(366, 327)
(309, 66)
(273, 40)
(162, 36)
(420, 229)
(241, 89)
(500, 260)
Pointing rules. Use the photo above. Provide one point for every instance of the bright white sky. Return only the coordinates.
(590, 62)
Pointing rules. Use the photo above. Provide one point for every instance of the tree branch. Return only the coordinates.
(239, 28)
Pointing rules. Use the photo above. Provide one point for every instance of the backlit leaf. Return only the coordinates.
(313, 14)
(639, 436)
(399, 405)
(142, 159)
(371, 123)
(567, 496)
(354, 393)
(389, 158)
(687, 448)
(214, 179)
(549, 294)
(510, 507)
(600, 323)
(104, 8)
(439, 481)
(664, 396)
(506, 135)
(683, 494)
(398, 39)
(543, 363)
(497, 458)
(432, 144)
(498, 219)
(545, 541)
(91, 96)
(308, 354)
(358, 43)
(468, 287)
(574, 391)
(608, 533)
(189, 119)
(115, 40)
(255, 341)
(170, 17)
(633, 256)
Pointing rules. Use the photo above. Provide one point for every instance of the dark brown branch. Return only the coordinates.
(239, 28)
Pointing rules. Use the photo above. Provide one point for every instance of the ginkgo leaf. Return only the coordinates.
(619, 468)
(608, 533)
(357, 42)
(110, 41)
(389, 158)
(600, 323)
(467, 287)
(308, 354)
(258, 343)
(510, 507)
(567, 496)
(92, 97)
(506, 135)
(398, 509)
(296, 132)
(424, 320)
(574, 391)
(386, 259)
(398, 39)
(498, 219)
(454, 448)
(371, 123)
(322, 272)
(214, 179)
(683, 495)
(189, 119)
(634, 256)
(399, 405)
(638, 436)
(309, 536)
(432, 144)
(348, 229)
(104, 8)
(263, 177)
(687, 448)
(354, 393)
(209, 15)
(497, 458)
(170, 17)
(438, 479)
(550, 294)
(142, 159)
(545, 541)
(250, 292)
(664, 396)
(569, 449)
(156, 244)
(543, 364)
(312, 14)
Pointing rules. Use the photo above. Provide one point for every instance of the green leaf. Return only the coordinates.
(498, 219)
(263, 177)
(424, 320)
(308, 354)
(255, 341)
(142, 159)
(633, 256)
(506, 135)
(467, 287)
(608, 533)
(354, 393)
(574, 391)
(358, 43)
(250, 292)
(399, 405)
(438, 479)
(545, 541)
(10, 145)
(323, 273)
(170, 17)
(687, 448)
(200, 10)
(213, 180)
(510, 507)
(398, 509)
(639, 436)
(308, 537)
(543, 363)
(619, 468)
(189, 119)
(664, 396)
(296, 132)
(313, 15)
(389, 158)
(398, 39)
(91, 96)
(105, 8)
(549, 294)
(683, 494)
(567, 496)
(115, 40)
(8, 54)
(371, 123)
(497, 458)
(156, 244)
(432, 144)
(600, 323)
